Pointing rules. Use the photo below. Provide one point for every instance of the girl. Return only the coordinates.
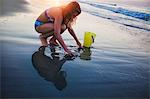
(54, 21)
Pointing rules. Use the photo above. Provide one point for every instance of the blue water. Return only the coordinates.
(135, 14)
(123, 16)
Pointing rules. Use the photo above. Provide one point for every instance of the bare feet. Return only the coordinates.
(53, 41)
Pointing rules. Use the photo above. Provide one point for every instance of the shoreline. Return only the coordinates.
(133, 3)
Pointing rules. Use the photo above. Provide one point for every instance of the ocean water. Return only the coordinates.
(117, 13)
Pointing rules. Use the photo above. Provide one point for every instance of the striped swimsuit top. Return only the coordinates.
(50, 19)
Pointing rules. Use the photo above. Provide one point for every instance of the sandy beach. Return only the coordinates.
(120, 55)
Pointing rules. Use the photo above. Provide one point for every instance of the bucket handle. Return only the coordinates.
(93, 39)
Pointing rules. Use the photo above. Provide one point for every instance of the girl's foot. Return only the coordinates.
(53, 42)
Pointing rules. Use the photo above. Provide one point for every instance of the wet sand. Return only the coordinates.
(109, 74)
(119, 65)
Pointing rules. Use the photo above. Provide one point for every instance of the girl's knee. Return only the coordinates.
(46, 35)
(42, 36)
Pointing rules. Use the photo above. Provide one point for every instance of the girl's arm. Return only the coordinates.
(71, 31)
(57, 30)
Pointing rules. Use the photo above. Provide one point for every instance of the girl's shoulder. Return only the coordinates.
(55, 9)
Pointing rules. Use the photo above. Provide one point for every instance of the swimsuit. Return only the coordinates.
(50, 19)
(39, 23)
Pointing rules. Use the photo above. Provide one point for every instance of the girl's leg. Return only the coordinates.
(53, 40)
(43, 40)
(46, 30)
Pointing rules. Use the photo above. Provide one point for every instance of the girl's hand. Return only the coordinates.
(69, 53)
(79, 44)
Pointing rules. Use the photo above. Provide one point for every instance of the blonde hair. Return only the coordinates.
(68, 10)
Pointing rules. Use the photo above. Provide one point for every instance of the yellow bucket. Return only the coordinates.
(88, 39)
